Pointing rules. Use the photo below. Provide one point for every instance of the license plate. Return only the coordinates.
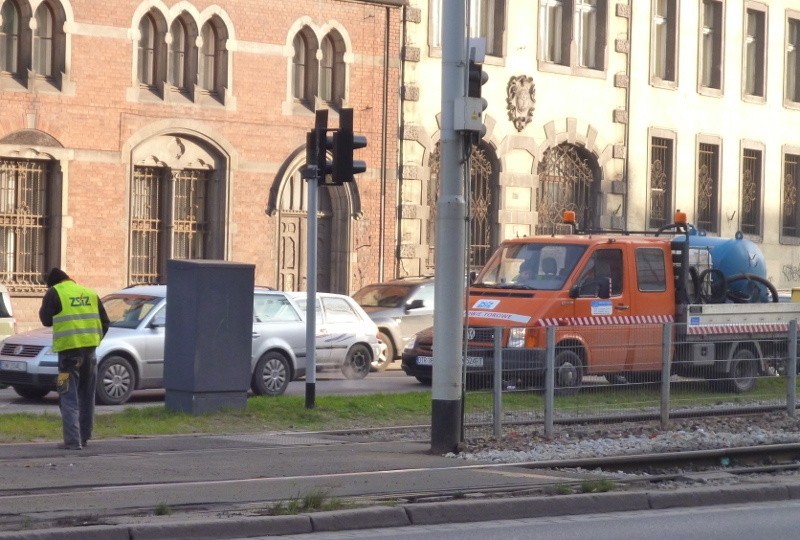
(474, 361)
(9, 365)
(470, 361)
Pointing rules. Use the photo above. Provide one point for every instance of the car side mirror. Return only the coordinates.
(415, 304)
(158, 322)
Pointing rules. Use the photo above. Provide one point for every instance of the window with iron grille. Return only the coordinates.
(751, 192)
(566, 182)
(791, 187)
(482, 207)
(169, 220)
(661, 181)
(707, 211)
(24, 223)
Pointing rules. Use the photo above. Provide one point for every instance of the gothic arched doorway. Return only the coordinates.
(293, 236)
(568, 180)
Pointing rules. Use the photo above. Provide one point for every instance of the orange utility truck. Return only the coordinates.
(609, 294)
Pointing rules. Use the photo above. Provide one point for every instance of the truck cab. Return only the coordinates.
(595, 289)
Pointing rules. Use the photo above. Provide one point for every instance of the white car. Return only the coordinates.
(131, 355)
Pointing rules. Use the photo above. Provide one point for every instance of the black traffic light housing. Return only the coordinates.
(344, 143)
(477, 78)
(341, 143)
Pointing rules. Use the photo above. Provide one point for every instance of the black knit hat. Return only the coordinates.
(56, 276)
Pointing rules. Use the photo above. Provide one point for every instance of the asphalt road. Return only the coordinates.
(393, 380)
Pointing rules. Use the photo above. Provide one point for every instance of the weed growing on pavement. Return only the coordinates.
(314, 501)
(560, 489)
(598, 486)
(163, 509)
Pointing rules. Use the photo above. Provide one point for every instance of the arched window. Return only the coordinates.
(305, 66)
(213, 59)
(147, 51)
(177, 54)
(331, 84)
(566, 182)
(208, 62)
(483, 171)
(43, 41)
(9, 38)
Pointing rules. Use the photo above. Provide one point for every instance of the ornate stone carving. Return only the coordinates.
(521, 99)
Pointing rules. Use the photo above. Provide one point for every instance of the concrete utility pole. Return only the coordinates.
(448, 317)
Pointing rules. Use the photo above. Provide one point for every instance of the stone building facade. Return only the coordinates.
(622, 111)
(135, 131)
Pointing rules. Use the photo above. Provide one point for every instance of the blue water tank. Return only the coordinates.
(733, 256)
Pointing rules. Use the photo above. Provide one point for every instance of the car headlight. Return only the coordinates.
(411, 343)
(516, 338)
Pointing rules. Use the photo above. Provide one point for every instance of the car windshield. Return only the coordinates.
(530, 266)
(128, 310)
(387, 296)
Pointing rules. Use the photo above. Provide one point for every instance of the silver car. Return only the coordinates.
(131, 355)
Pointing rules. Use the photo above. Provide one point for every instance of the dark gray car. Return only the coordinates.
(401, 308)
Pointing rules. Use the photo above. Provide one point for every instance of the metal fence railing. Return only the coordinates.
(606, 373)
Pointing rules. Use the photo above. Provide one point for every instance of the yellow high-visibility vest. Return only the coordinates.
(78, 323)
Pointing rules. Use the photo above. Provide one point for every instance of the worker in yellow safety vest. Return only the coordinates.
(79, 322)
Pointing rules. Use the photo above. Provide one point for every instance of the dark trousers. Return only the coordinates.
(77, 378)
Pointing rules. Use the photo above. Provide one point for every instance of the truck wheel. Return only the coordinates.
(741, 376)
(569, 372)
(386, 357)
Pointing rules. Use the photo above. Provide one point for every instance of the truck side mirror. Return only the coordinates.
(575, 291)
(604, 288)
(415, 304)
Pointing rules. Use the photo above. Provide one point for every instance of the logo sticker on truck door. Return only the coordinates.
(602, 307)
(486, 304)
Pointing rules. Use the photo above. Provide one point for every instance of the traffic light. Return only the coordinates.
(477, 78)
(318, 143)
(469, 109)
(344, 142)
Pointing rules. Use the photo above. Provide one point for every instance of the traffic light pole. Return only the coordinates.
(448, 319)
(315, 170)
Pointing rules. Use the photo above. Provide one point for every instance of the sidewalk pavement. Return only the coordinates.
(223, 487)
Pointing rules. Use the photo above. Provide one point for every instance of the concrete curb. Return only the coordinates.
(457, 511)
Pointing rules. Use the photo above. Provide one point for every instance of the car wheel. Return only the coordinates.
(568, 372)
(272, 375)
(115, 381)
(387, 353)
(31, 392)
(357, 363)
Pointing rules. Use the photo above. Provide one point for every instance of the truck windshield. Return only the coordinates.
(530, 266)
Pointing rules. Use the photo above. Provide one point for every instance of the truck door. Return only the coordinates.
(602, 321)
(653, 304)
